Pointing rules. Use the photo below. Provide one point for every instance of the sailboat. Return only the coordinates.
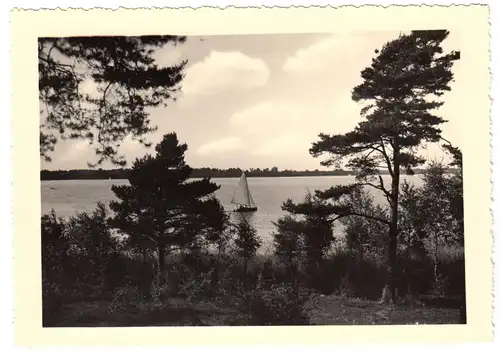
(242, 196)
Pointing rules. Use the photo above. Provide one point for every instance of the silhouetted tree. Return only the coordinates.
(456, 189)
(161, 208)
(434, 211)
(398, 86)
(128, 82)
(246, 241)
(456, 196)
(431, 214)
(288, 243)
(96, 248)
(55, 262)
(55, 251)
(412, 221)
(315, 233)
(364, 235)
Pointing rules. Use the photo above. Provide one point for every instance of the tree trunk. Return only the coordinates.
(245, 264)
(392, 255)
(361, 253)
(161, 263)
(436, 261)
(389, 292)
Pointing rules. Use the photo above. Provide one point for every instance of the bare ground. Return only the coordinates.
(335, 310)
(322, 310)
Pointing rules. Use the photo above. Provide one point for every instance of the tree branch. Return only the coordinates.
(350, 213)
(387, 194)
(387, 160)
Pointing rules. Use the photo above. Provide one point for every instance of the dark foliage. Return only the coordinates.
(82, 260)
(364, 236)
(397, 88)
(168, 253)
(246, 241)
(162, 210)
(127, 83)
(302, 241)
(280, 304)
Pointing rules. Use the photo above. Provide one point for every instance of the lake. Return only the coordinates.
(67, 197)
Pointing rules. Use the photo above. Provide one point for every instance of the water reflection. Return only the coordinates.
(237, 217)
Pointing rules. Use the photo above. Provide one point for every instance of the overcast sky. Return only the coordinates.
(261, 100)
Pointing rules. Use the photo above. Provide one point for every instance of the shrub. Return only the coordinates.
(344, 273)
(199, 286)
(246, 242)
(125, 299)
(281, 304)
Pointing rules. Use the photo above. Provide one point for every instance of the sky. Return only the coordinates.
(259, 101)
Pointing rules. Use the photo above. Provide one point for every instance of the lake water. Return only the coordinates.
(67, 197)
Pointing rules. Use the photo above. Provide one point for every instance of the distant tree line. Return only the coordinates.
(122, 173)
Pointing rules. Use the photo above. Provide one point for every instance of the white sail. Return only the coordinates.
(241, 195)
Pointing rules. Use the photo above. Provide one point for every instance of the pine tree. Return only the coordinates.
(162, 207)
(129, 82)
(400, 88)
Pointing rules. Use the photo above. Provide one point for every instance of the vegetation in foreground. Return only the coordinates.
(167, 253)
(211, 274)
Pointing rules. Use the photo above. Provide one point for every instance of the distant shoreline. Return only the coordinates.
(117, 174)
(215, 177)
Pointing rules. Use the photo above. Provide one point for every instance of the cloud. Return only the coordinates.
(283, 131)
(168, 55)
(272, 118)
(345, 52)
(221, 146)
(290, 144)
(318, 56)
(73, 152)
(223, 71)
(269, 117)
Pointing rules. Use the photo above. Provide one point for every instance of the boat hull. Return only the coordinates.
(245, 209)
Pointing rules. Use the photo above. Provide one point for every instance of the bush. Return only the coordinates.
(125, 299)
(343, 273)
(200, 286)
(453, 270)
(281, 304)
(246, 242)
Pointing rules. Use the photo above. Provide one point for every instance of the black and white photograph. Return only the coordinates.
(277, 179)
